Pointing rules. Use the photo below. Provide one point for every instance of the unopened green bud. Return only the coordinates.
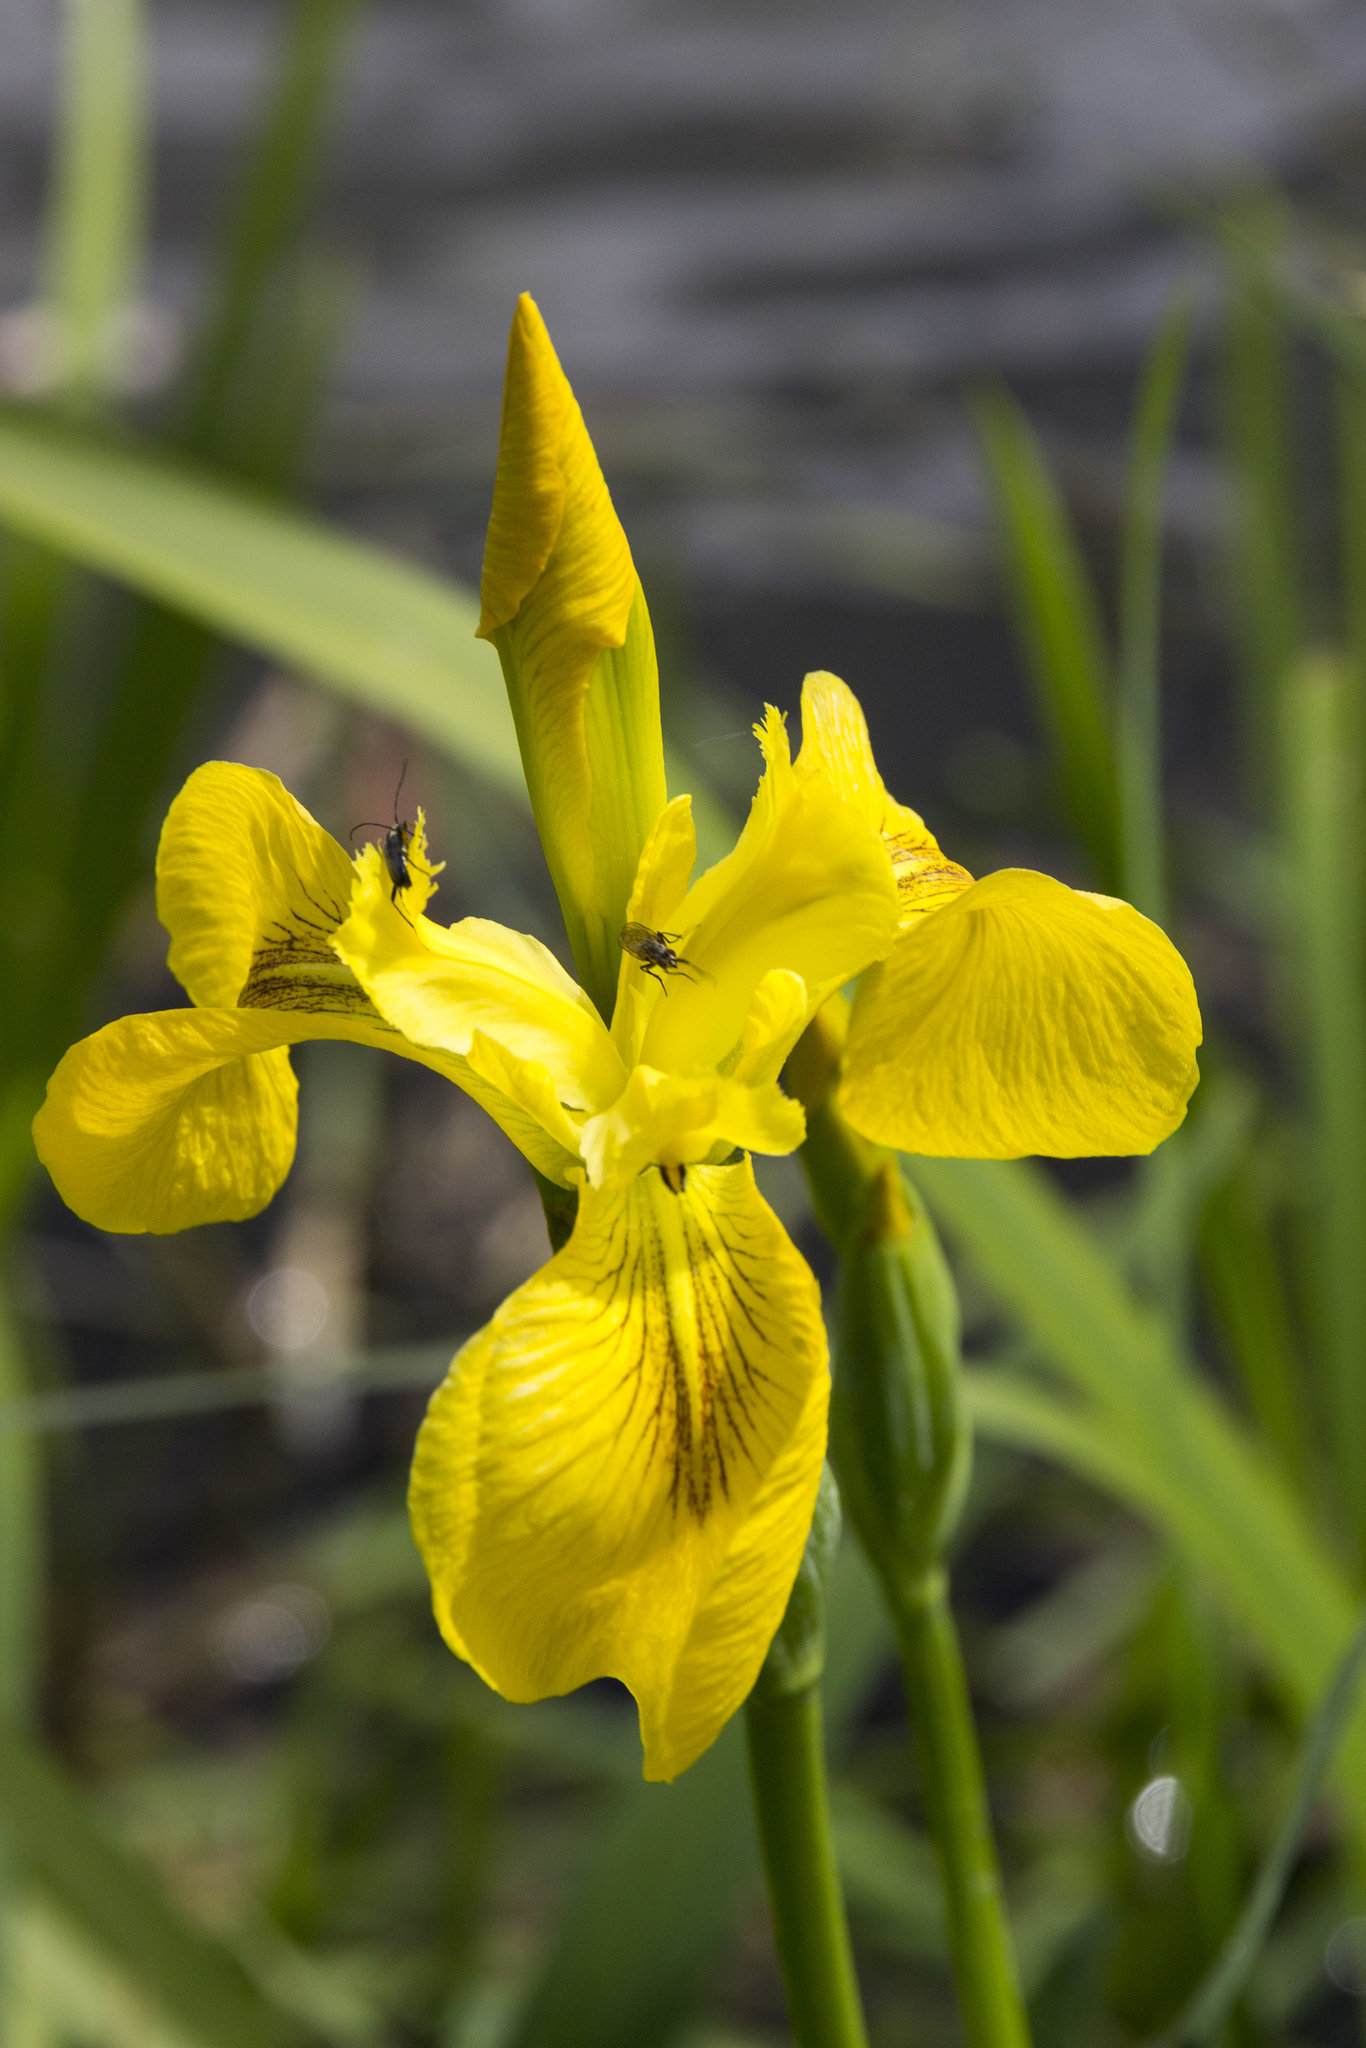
(899, 1433)
(796, 1656)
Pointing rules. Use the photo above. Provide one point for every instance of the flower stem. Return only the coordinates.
(954, 1795)
(787, 1772)
(900, 1442)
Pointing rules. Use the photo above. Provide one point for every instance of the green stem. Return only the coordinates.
(954, 1793)
(787, 1771)
(899, 1442)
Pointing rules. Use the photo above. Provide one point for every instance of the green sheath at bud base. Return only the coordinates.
(796, 1656)
(899, 1436)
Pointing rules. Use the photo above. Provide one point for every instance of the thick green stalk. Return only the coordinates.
(901, 1446)
(785, 1733)
(953, 1791)
(787, 1773)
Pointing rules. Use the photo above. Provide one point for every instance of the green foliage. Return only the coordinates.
(1058, 619)
(121, 1909)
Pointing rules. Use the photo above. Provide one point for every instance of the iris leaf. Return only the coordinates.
(1058, 616)
(95, 236)
(118, 1906)
(380, 631)
(1139, 738)
(1210, 2006)
(1266, 564)
(1324, 938)
(1145, 1428)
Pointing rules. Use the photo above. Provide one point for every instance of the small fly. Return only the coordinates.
(655, 952)
(397, 838)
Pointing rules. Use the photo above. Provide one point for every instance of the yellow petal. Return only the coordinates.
(751, 1587)
(248, 883)
(661, 883)
(676, 1120)
(563, 605)
(777, 1016)
(835, 741)
(439, 986)
(164, 1121)
(1024, 1017)
(807, 888)
(586, 1478)
(530, 1087)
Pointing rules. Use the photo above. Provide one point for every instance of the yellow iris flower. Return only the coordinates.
(618, 1474)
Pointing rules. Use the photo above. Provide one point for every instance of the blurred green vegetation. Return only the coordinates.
(245, 1796)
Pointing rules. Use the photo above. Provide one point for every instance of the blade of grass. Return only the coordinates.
(95, 237)
(1245, 1282)
(118, 1906)
(277, 185)
(266, 349)
(1326, 959)
(159, 1397)
(1208, 1484)
(1349, 394)
(1266, 570)
(91, 829)
(382, 632)
(1138, 743)
(1211, 2004)
(647, 1922)
(20, 1540)
(1059, 622)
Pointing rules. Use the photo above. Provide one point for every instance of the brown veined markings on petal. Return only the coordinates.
(925, 877)
(294, 967)
(663, 1443)
(704, 1427)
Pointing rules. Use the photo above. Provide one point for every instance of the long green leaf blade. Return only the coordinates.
(95, 234)
(1211, 2005)
(1058, 618)
(1170, 1442)
(380, 631)
(1266, 567)
(109, 1896)
(1325, 948)
(1139, 725)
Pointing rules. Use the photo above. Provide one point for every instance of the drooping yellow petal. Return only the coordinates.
(563, 605)
(751, 1587)
(586, 1477)
(677, 1120)
(835, 742)
(439, 986)
(808, 888)
(1024, 1017)
(248, 883)
(164, 1121)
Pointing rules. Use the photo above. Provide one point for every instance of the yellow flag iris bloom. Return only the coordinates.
(618, 1474)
